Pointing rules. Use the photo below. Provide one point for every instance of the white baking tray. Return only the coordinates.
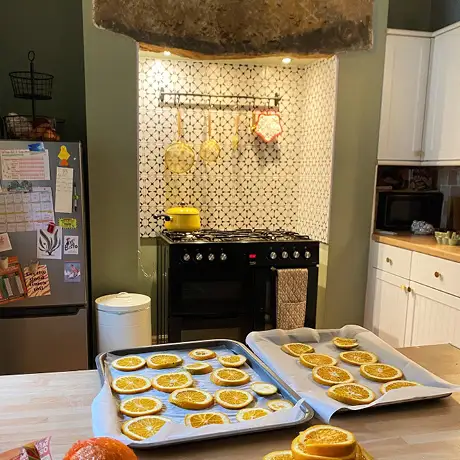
(267, 346)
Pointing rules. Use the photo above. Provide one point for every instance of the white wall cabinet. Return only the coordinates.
(442, 135)
(405, 82)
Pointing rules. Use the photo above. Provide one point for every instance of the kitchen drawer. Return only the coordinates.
(391, 259)
(437, 273)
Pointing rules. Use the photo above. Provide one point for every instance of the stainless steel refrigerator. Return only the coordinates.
(45, 333)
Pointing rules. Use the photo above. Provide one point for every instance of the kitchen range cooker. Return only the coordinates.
(226, 280)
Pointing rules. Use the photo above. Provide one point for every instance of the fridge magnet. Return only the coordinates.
(12, 286)
(38, 283)
(17, 186)
(67, 223)
(5, 243)
(72, 272)
(64, 156)
(49, 244)
(70, 245)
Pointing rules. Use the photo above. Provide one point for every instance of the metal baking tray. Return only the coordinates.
(253, 361)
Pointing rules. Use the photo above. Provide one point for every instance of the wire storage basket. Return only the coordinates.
(26, 127)
(27, 85)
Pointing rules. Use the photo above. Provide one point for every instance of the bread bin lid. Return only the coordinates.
(123, 302)
(183, 210)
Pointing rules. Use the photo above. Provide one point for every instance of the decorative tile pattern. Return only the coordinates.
(259, 185)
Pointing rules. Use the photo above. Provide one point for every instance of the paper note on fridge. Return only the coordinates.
(64, 189)
(49, 245)
(22, 165)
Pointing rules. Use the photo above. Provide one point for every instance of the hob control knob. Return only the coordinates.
(284, 255)
(186, 257)
(211, 257)
(296, 254)
(199, 256)
(223, 257)
(272, 255)
(307, 254)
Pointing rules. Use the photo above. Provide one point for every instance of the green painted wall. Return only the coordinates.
(54, 30)
(357, 130)
(444, 13)
(111, 106)
(410, 14)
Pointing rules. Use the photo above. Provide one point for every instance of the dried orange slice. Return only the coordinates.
(130, 384)
(141, 428)
(279, 455)
(201, 354)
(264, 389)
(163, 361)
(298, 449)
(191, 398)
(198, 368)
(233, 399)
(345, 343)
(297, 349)
(396, 384)
(251, 414)
(358, 358)
(232, 360)
(380, 372)
(229, 377)
(352, 394)
(141, 405)
(207, 418)
(279, 404)
(129, 363)
(312, 360)
(173, 381)
(327, 441)
(331, 375)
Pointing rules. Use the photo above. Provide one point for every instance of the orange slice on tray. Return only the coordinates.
(232, 360)
(163, 361)
(233, 399)
(331, 375)
(207, 418)
(380, 372)
(141, 405)
(173, 381)
(130, 384)
(141, 428)
(358, 358)
(327, 441)
(251, 414)
(345, 343)
(352, 394)
(279, 455)
(297, 349)
(312, 360)
(191, 398)
(202, 354)
(396, 384)
(129, 363)
(198, 368)
(279, 404)
(229, 377)
(264, 389)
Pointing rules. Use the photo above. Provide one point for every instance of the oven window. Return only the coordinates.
(211, 291)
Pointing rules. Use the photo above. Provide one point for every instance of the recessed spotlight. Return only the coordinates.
(167, 53)
(286, 60)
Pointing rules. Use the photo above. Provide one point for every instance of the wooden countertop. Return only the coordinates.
(38, 405)
(423, 244)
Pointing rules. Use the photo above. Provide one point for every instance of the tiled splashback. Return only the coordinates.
(284, 184)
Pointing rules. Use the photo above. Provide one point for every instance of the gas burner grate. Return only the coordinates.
(229, 236)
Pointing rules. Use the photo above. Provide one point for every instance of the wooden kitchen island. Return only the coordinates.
(39, 405)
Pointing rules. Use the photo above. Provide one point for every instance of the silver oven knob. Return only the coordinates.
(307, 254)
(199, 256)
(186, 257)
(223, 257)
(211, 257)
(296, 254)
(284, 255)
(272, 255)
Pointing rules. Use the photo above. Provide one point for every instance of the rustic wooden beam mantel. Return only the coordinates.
(223, 29)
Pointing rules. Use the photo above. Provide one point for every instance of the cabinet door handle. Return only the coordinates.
(406, 289)
(437, 275)
(389, 261)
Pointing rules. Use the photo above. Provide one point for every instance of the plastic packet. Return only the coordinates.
(35, 450)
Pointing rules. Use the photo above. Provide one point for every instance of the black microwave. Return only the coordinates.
(397, 210)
